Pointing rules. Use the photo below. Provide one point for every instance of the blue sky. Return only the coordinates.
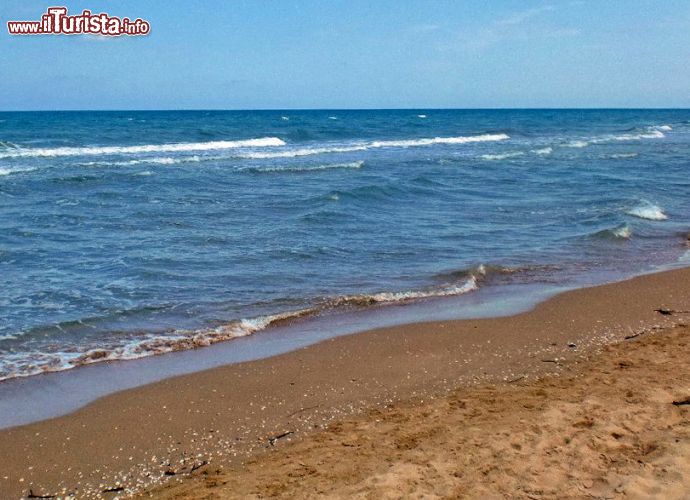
(254, 54)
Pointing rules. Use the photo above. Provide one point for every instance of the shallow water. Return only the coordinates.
(125, 234)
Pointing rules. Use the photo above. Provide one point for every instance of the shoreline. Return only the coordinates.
(226, 414)
(24, 400)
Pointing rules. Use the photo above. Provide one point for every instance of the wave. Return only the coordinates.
(390, 297)
(648, 211)
(160, 160)
(303, 168)
(622, 156)
(27, 364)
(543, 151)
(8, 171)
(504, 156)
(498, 274)
(364, 146)
(649, 133)
(479, 273)
(622, 232)
(145, 148)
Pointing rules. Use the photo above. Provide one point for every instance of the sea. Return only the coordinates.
(127, 234)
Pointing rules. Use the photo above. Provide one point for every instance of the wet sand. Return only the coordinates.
(555, 401)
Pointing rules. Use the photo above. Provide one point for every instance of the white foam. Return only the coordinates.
(421, 116)
(145, 148)
(363, 146)
(28, 364)
(665, 128)
(440, 140)
(504, 156)
(648, 211)
(623, 156)
(652, 134)
(623, 232)
(391, 297)
(543, 151)
(162, 160)
(294, 153)
(304, 168)
(577, 144)
(685, 257)
(9, 171)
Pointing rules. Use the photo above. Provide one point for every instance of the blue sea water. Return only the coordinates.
(127, 234)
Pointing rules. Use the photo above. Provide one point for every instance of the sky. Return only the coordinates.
(287, 54)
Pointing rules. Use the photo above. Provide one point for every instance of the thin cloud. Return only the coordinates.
(523, 16)
(521, 25)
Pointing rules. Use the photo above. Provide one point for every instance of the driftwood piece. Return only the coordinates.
(302, 409)
(272, 440)
(682, 402)
(196, 466)
(669, 312)
(38, 495)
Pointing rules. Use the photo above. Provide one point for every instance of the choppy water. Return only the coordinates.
(124, 234)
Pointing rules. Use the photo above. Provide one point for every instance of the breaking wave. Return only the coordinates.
(145, 148)
(364, 146)
(648, 211)
(303, 168)
(28, 364)
(543, 151)
(504, 156)
(649, 133)
(622, 156)
(8, 171)
(622, 232)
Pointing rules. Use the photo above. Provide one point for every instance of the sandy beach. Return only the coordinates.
(573, 398)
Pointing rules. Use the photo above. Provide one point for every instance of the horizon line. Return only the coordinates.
(536, 108)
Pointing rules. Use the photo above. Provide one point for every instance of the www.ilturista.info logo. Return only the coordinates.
(56, 22)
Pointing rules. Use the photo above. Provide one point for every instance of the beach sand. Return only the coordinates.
(574, 398)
